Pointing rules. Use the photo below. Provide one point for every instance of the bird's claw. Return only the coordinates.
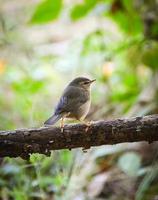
(84, 150)
(62, 129)
(88, 124)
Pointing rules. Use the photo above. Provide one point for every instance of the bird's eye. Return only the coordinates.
(85, 83)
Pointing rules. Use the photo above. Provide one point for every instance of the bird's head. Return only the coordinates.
(82, 82)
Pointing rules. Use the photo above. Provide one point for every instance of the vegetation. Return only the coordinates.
(43, 45)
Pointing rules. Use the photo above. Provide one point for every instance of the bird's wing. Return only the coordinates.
(72, 98)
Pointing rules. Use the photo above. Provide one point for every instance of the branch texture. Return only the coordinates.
(22, 142)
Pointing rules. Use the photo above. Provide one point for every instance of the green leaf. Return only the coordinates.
(155, 30)
(93, 43)
(130, 163)
(46, 11)
(78, 11)
(150, 55)
(18, 194)
(36, 157)
(128, 5)
(129, 24)
(59, 180)
(27, 86)
(65, 157)
(82, 10)
(126, 17)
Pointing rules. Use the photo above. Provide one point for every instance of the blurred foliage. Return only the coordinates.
(47, 11)
(120, 52)
(29, 180)
(126, 17)
(130, 163)
(83, 9)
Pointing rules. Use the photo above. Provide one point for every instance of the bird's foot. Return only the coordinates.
(62, 129)
(84, 150)
(88, 124)
(62, 124)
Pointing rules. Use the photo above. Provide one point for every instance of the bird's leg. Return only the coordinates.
(62, 121)
(88, 124)
(62, 124)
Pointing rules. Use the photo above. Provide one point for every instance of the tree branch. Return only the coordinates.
(22, 142)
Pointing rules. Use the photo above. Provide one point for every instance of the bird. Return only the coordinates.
(74, 102)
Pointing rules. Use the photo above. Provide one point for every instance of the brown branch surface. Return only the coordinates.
(22, 142)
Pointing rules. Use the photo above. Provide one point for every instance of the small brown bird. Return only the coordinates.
(74, 102)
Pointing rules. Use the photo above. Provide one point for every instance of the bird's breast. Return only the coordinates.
(83, 110)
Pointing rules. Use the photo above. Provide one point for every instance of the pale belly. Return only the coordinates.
(80, 113)
(83, 110)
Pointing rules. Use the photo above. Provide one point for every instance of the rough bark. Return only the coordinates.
(22, 142)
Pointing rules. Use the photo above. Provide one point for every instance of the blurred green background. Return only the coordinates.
(46, 43)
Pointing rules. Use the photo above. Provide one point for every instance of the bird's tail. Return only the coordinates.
(52, 120)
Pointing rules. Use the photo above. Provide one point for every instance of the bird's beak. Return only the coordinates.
(92, 80)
